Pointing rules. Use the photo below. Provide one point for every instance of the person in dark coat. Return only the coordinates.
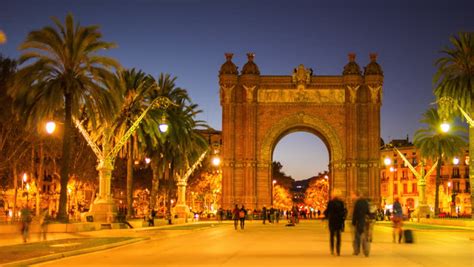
(359, 219)
(242, 215)
(336, 214)
(235, 216)
(264, 214)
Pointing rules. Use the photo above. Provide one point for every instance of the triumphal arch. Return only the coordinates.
(258, 110)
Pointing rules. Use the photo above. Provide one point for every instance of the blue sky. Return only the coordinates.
(188, 39)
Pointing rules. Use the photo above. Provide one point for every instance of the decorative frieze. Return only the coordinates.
(318, 96)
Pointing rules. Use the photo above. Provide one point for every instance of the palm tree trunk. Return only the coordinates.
(168, 178)
(471, 162)
(15, 186)
(39, 179)
(66, 156)
(155, 182)
(437, 183)
(130, 179)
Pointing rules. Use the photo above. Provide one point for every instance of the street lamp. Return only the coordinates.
(388, 162)
(455, 161)
(216, 161)
(27, 192)
(445, 127)
(50, 127)
(23, 181)
(273, 185)
(163, 125)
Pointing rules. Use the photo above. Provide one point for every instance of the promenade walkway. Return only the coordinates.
(277, 245)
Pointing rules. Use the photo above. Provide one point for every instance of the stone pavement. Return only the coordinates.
(277, 245)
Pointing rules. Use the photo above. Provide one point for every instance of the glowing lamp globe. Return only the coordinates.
(163, 127)
(445, 127)
(50, 127)
(455, 161)
(216, 161)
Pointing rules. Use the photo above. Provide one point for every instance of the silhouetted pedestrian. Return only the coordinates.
(242, 215)
(336, 214)
(359, 217)
(235, 216)
(25, 223)
(264, 214)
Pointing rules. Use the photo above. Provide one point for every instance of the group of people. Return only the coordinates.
(362, 219)
(26, 217)
(238, 215)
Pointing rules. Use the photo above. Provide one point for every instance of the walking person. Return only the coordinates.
(25, 223)
(242, 215)
(397, 220)
(264, 214)
(359, 220)
(235, 216)
(336, 214)
(43, 221)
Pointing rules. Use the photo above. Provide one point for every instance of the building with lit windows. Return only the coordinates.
(396, 180)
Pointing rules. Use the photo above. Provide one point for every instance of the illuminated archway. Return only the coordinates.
(257, 110)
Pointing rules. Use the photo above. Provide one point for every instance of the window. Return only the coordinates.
(414, 188)
(404, 174)
(395, 189)
(455, 173)
(456, 187)
(405, 189)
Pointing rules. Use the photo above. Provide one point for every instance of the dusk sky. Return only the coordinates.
(188, 39)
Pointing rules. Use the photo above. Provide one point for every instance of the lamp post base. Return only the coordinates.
(423, 211)
(182, 211)
(103, 211)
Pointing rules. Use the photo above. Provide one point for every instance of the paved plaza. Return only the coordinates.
(277, 245)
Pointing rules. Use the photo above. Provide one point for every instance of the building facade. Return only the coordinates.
(397, 181)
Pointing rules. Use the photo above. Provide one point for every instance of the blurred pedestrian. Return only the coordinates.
(235, 216)
(264, 214)
(242, 215)
(43, 221)
(336, 214)
(359, 217)
(26, 219)
(397, 220)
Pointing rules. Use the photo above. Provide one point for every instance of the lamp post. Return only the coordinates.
(27, 191)
(388, 163)
(103, 208)
(49, 127)
(273, 190)
(445, 103)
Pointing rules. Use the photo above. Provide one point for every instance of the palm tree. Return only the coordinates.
(436, 145)
(455, 80)
(182, 144)
(66, 75)
(136, 88)
(455, 75)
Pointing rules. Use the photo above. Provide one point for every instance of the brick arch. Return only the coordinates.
(300, 121)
